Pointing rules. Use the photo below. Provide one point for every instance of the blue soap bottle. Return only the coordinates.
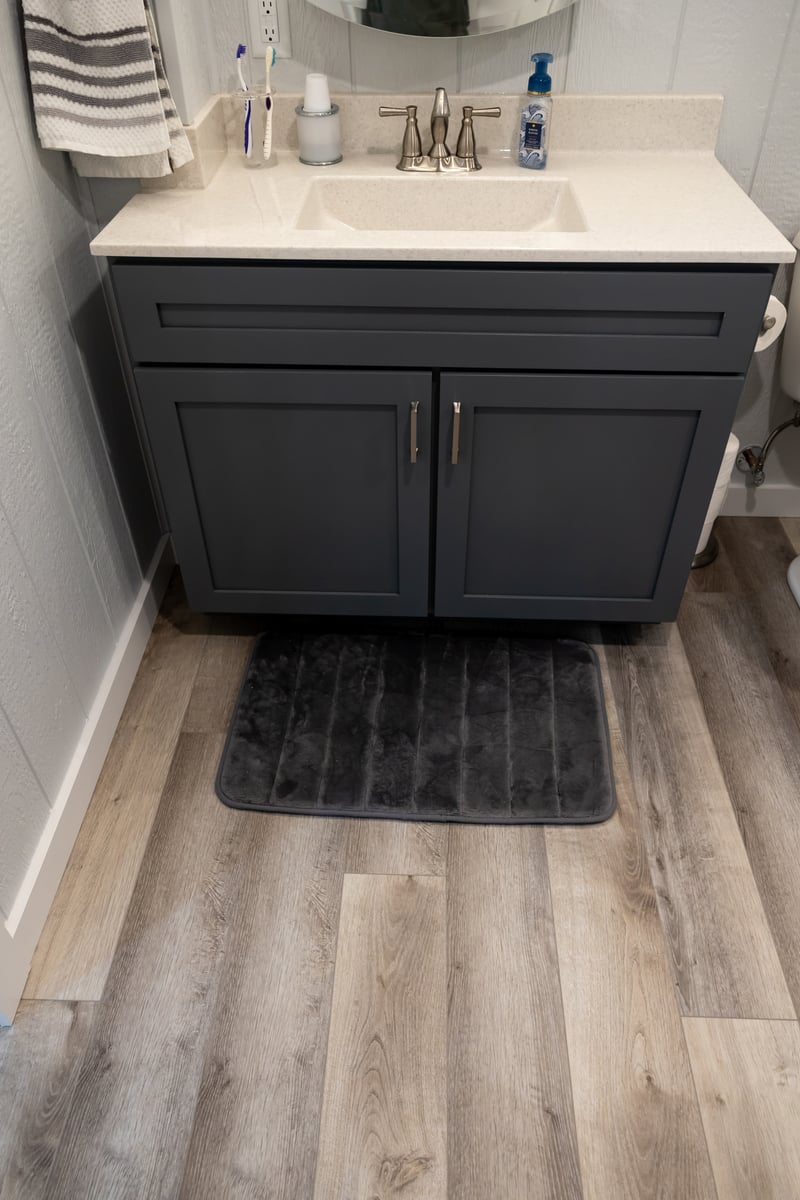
(534, 126)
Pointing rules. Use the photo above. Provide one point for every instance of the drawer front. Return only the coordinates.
(442, 317)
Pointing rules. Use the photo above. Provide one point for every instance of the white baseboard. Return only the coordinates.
(769, 500)
(20, 932)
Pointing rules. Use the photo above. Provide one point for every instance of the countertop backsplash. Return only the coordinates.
(591, 123)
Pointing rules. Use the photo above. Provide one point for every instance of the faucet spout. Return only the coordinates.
(440, 121)
(441, 104)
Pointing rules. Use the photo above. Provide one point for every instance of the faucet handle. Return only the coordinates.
(412, 142)
(465, 150)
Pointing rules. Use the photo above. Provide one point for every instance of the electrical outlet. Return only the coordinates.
(269, 20)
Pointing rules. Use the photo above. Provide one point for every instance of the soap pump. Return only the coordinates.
(534, 126)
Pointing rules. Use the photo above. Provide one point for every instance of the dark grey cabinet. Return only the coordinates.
(295, 491)
(593, 403)
(573, 496)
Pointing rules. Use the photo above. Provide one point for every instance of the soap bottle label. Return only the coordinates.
(533, 135)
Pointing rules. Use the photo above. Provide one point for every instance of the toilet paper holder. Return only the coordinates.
(773, 324)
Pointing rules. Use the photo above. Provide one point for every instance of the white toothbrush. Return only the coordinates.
(269, 62)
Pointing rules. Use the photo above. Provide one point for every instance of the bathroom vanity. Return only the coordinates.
(521, 423)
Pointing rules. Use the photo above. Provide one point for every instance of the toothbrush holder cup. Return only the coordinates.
(258, 125)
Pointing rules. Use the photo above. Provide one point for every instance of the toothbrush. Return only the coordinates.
(269, 62)
(241, 50)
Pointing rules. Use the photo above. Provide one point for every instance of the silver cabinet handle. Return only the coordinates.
(456, 432)
(414, 419)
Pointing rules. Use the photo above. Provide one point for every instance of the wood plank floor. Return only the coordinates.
(384, 1115)
(248, 1007)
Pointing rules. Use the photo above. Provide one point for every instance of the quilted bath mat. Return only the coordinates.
(423, 728)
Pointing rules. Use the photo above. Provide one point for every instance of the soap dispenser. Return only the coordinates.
(534, 126)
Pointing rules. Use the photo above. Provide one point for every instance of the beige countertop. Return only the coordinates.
(637, 205)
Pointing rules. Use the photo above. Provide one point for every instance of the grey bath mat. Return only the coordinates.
(421, 727)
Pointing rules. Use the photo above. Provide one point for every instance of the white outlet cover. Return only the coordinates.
(259, 43)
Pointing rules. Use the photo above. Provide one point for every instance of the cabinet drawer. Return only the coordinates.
(443, 317)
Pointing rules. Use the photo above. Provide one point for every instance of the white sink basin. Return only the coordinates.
(438, 203)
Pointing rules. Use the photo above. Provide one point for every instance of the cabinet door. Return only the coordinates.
(294, 491)
(575, 496)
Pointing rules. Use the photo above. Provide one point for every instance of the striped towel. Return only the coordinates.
(99, 87)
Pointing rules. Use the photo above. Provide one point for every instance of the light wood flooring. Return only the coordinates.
(231, 1005)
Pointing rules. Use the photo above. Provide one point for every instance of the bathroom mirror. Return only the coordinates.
(441, 18)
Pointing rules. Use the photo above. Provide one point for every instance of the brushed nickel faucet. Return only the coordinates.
(438, 158)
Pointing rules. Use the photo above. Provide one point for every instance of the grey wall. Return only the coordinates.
(70, 560)
(750, 52)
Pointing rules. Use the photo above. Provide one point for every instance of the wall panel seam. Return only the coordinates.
(776, 82)
(350, 60)
(570, 32)
(43, 611)
(56, 466)
(353, 79)
(24, 754)
(678, 45)
(568, 68)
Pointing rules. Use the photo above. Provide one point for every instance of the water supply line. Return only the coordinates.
(752, 460)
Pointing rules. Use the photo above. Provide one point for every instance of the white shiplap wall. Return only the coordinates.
(749, 52)
(70, 569)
